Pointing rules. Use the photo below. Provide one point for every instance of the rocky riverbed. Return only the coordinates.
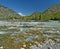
(29, 35)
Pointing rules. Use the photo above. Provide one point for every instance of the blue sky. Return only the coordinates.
(26, 7)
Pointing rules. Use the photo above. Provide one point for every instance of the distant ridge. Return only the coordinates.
(6, 13)
(53, 9)
(52, 13)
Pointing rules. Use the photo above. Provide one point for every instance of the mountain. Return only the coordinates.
(53, 9)
(35, 15)
(7, 14)
(52, 13)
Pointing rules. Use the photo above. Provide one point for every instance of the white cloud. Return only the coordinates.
(21, 14)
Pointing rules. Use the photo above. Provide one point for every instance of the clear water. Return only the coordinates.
(53, 24)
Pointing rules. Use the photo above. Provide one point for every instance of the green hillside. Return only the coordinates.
(52, 13)
(52, 9)
(7, 14)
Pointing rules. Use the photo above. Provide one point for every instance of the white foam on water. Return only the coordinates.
(1, 32)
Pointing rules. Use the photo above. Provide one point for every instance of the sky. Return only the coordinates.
(27, 7)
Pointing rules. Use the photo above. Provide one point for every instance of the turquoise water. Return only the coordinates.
(54, 24)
